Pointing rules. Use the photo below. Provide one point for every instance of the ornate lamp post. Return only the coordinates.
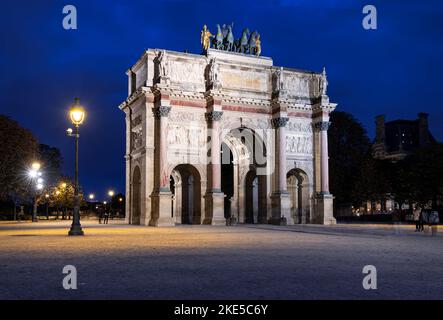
(77, 114)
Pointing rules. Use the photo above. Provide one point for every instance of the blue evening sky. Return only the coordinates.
(395, 70)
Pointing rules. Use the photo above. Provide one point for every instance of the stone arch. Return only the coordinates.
(299, 193)
(259, 128)
(187, 199)
(136, 196)
(249, 201)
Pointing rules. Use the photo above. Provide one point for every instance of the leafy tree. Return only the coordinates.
(62, 196)
(51, 160)
(18, 149)
(425, 174)
(349, 151)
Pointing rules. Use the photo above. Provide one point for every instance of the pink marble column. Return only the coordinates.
(279, 124)
(324, 156)
(161, 113)
(214, 118)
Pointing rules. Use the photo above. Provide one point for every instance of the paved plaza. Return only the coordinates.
(119, 261)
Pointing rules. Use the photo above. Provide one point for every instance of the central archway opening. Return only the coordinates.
(186, 194)
(227, 178)
(243, 182)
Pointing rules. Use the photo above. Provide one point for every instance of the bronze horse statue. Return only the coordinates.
(247, 43)
(241, 45)
(218, 40)
(229, 40)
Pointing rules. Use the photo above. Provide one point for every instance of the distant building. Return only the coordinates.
(396, 139)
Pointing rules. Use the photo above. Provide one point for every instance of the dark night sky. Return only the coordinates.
(395, 70)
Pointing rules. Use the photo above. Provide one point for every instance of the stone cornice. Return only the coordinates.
(133, 97)
(324, 108)
(227, 99)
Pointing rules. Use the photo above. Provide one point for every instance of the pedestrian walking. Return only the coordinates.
(421, 220)
(417, 213)
(100, 215)
(105, 221)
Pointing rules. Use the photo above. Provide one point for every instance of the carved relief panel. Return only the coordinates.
(299, 138)
(136, 133)
(187, 72)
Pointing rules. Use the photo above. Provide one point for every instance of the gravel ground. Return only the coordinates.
(118, 261)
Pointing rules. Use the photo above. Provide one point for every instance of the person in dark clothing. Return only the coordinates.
(100, 215)
(105, 221)
(417, 214)
(421, 226)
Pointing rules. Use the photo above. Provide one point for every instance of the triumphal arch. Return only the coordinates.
(225, 135)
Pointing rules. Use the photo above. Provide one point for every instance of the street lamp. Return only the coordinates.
(35, 175)
(77, 115)
(91, 197)
(110, 194)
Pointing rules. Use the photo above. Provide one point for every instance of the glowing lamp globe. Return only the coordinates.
(32, 174)
(77, 113)
(35, 166)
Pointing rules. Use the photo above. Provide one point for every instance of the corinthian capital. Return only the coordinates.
(322, 125)
(162, 111)
(279, 122)
(214, 115)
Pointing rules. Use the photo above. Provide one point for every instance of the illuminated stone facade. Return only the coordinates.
(225, 135)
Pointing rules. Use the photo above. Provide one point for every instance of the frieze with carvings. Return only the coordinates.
(187, 71)
(252, 123)
(181, 136)
(303, 85)
(181, 117)
(299, 127)
(299, 144)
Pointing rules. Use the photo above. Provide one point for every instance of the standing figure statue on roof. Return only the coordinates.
(323, 82)
(205, 38)
(163, 64)
(257, 45)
